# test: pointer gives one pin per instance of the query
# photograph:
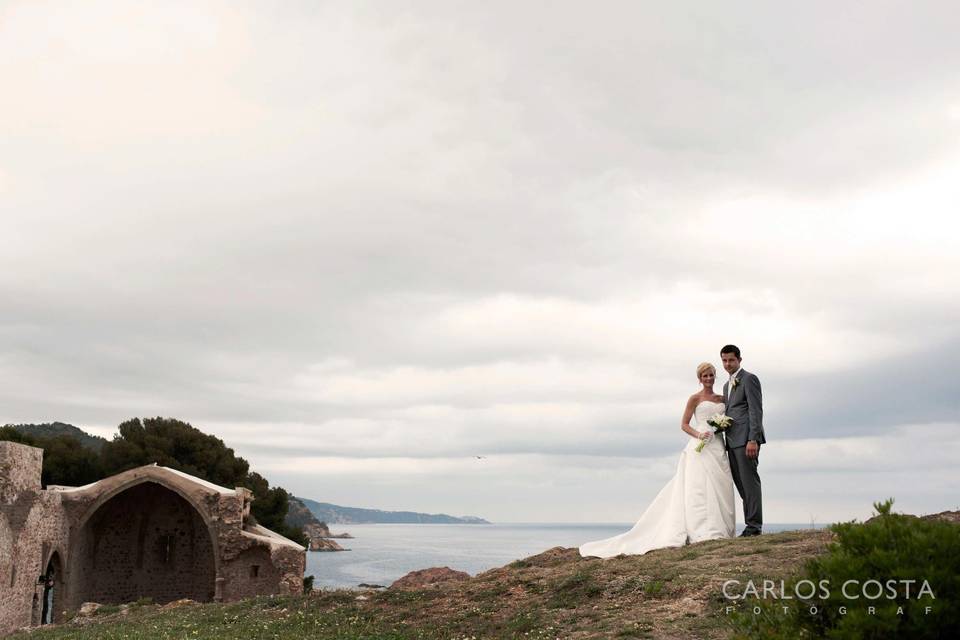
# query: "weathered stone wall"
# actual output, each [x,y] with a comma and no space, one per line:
[280,567]
[10,610]
[290,564]
[262,570]
[148,532]
[43,536]
[250,574]
[32,530]
[145,542]
[20,468]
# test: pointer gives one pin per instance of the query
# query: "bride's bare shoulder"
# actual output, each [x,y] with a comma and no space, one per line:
[694,400]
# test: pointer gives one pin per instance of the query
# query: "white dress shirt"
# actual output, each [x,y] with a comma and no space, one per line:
[730,382]
[730,386]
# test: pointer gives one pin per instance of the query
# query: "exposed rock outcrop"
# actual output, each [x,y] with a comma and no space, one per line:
[946,516]
[316,531]
[324,544]
[429,578]
[319,538]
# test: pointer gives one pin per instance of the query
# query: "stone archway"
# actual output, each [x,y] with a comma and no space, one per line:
[145,541]
[51,594]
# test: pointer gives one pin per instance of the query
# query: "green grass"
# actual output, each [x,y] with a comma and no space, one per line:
[634,632]
[261,618]
[556,594]
[571,591]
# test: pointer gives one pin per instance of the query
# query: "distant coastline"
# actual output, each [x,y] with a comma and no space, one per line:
[339,514]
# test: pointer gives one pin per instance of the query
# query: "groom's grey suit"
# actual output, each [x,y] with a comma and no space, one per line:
[744,405]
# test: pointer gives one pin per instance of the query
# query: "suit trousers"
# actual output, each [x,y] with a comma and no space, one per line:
[747,481]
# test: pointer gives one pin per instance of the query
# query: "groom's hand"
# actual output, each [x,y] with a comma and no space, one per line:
[753,449]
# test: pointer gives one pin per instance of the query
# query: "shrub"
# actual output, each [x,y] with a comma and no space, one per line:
[888,547]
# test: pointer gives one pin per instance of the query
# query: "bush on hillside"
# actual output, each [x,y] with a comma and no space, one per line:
[65,462]
[888,547]
[168,442]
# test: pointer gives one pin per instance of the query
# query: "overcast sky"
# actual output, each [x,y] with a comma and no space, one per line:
[364,243]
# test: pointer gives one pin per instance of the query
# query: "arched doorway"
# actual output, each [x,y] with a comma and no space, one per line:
[51,581]
[146,541]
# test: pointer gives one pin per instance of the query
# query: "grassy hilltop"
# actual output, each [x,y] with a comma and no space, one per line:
[668,593]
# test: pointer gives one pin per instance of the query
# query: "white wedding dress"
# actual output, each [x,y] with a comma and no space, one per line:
[696,504]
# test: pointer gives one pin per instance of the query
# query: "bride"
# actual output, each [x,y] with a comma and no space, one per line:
[697,503]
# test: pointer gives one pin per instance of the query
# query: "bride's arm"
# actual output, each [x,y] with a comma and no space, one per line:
[685,421]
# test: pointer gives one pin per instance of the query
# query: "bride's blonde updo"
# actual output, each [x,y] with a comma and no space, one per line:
[703,368]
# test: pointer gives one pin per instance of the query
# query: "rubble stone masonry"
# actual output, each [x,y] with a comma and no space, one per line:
[150,532]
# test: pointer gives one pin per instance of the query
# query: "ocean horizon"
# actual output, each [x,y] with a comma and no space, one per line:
[380,553]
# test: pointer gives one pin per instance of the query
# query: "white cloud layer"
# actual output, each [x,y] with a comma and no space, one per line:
[363,244]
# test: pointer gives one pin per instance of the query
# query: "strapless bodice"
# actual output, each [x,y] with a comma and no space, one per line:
[707,408]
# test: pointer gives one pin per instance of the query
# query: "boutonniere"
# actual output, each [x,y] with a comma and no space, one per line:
[736,382]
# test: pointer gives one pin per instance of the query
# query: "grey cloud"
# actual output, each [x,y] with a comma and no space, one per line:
[329,178]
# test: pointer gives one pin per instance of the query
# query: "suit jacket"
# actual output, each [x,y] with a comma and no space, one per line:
[745,408]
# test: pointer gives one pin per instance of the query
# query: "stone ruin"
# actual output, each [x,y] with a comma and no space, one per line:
[150,532]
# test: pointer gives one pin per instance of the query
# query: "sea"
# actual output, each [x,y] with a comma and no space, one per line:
[381,553]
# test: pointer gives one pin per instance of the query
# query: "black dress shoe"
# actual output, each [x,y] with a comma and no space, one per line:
[750,532]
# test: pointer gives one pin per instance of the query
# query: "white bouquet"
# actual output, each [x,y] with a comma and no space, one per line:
[719,422]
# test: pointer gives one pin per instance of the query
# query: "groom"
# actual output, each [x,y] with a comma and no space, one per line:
[741,394]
